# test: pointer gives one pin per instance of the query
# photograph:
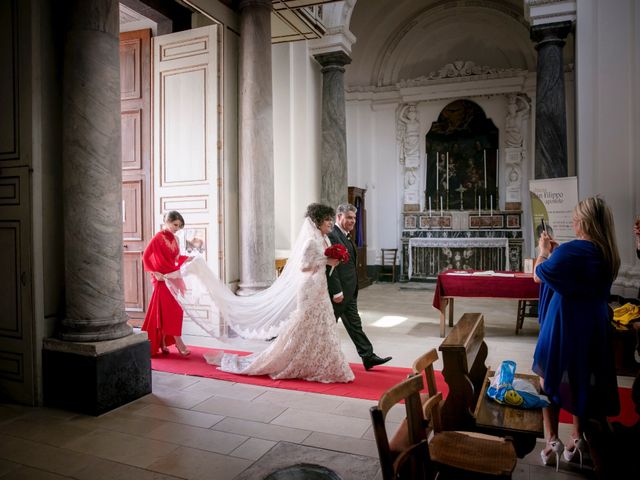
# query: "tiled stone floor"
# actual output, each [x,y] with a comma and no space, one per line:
[198,428]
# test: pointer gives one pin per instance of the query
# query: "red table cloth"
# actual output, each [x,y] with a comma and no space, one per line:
[520,286]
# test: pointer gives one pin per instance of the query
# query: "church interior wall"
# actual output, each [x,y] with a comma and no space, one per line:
[297,136]
[608,119]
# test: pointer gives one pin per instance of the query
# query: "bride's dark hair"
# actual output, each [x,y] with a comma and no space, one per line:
[318,213]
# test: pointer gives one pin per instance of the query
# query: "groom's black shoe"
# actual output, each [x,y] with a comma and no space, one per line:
[373,360]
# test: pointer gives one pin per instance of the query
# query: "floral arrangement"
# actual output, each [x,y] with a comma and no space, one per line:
[337,251]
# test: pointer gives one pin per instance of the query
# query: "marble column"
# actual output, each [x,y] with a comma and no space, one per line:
[92,174]
[333,161]
[256,196]
[551,119]
[96,363]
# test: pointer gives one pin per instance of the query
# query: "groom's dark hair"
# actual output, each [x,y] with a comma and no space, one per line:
[318,213]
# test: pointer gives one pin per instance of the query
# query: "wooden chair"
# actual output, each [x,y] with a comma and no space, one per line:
[454,451]
[388,268]
[412,462]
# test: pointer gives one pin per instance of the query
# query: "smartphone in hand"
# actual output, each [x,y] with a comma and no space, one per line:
[544,227]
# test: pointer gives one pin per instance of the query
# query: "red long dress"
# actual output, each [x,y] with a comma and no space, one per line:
[164,315]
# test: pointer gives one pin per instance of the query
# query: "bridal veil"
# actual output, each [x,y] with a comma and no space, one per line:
[204,297]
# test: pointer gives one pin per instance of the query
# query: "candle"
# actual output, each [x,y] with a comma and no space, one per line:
[484,153]
[447,171]
[440,205]
[437,173]
[429,205]
[497,156]
[479,206]
[491,199]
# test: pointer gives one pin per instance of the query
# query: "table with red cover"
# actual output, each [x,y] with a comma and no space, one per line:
[519,287]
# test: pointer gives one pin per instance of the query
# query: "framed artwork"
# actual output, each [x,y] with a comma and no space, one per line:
[433,221]
[485,221]
[410,221]
[513,221]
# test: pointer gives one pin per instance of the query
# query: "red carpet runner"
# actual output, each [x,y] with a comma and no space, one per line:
[367,385]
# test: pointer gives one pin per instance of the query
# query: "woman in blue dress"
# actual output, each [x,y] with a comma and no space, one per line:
[573,356]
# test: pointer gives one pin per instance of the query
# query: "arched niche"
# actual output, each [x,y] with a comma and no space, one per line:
[462,153]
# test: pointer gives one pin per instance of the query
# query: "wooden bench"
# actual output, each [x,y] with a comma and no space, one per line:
[467,406]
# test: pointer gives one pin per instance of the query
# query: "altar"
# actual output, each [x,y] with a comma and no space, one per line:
[461,241]
[462,202]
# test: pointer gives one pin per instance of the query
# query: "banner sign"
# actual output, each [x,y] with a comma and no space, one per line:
[553,199]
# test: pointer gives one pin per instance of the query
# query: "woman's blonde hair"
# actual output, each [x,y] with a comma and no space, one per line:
[596,221]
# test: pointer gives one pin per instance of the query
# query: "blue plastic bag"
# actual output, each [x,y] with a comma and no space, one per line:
[506,389]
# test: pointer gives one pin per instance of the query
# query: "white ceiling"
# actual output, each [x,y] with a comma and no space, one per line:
[404,39]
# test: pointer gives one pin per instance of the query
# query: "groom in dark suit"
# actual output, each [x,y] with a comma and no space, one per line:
[343,287]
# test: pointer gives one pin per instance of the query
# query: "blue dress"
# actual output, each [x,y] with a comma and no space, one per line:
[574,355]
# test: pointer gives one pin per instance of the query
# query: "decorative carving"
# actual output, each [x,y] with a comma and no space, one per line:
[517,110]
[408,136]
[461,69]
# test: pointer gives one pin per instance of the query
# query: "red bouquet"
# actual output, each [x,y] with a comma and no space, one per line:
[337,251]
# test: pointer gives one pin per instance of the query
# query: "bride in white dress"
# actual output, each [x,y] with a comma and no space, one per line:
[307,345]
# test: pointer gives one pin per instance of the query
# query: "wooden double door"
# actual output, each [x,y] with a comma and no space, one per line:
[169,99]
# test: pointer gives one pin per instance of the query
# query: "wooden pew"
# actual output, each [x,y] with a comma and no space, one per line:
[467,406]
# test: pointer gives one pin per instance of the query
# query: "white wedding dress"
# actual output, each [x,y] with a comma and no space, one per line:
[308,345]
[296,309]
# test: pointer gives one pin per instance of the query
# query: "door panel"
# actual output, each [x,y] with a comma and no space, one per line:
[135,90]
[186,145]
[16,322]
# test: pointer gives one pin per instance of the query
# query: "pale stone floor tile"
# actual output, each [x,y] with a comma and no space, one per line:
[40,456]
[391,427]
[196,437]
[340,443]
[176,398]
[266,431]
[260,412]
[176,381]
[351,408]
[9,413]
[120,447]
[237,391]
[52,432]
[121,422]
[301,400]
[7,466]
[322,422]
[194,464]
[253,448]
[28,473]
[179,415]
[101,469]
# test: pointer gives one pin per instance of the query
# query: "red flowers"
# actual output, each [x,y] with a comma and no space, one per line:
[337,251]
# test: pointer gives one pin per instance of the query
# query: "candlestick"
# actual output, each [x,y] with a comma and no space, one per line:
[437,172]
[497,156]
[479,206]
[441,206]
[491,205]
[447,174]
[429,205]
[484,161]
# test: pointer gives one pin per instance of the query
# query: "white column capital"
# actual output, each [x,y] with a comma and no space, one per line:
[541,12]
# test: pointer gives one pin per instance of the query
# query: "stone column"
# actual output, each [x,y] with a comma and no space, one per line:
[96,364]
[257,235]
[551,120]
[333,162]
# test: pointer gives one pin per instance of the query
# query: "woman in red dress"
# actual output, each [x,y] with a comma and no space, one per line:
[163,321]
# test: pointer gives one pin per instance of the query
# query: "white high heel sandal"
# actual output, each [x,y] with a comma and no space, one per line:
[556,448]
[579,445]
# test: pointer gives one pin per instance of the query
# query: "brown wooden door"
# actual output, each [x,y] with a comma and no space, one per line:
[135,89]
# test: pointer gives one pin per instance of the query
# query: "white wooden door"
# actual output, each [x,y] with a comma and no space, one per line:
[186,161]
